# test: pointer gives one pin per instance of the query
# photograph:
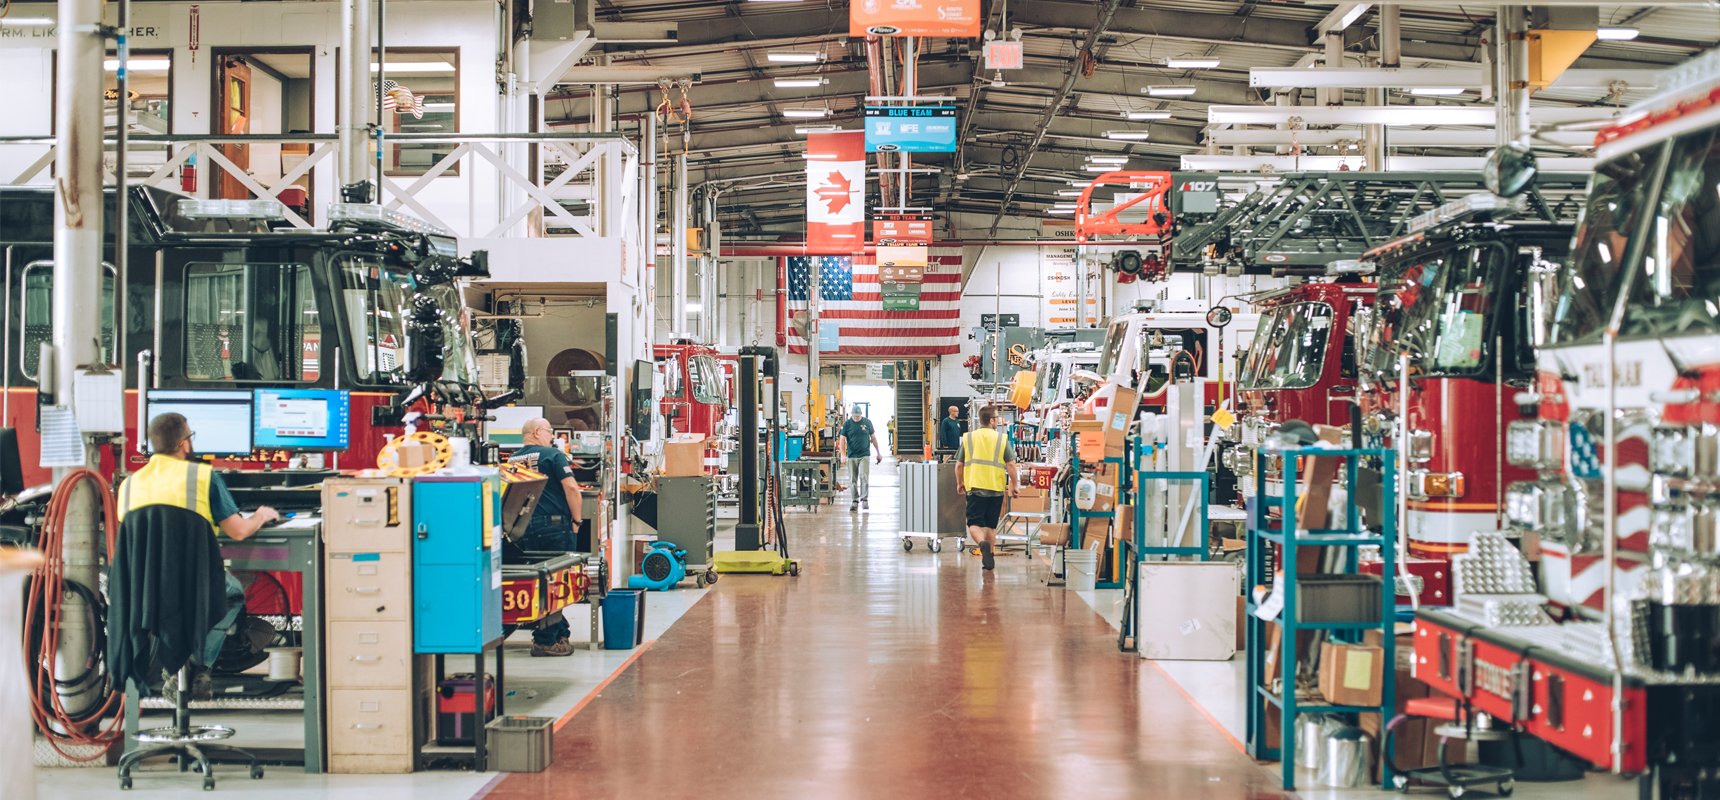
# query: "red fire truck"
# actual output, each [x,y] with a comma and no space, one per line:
[695,389]
[1301,364]
[1627,454]
[1458,308]
[220,298]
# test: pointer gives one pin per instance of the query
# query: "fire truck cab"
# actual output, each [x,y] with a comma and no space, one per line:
[1458,309]
[218,297]
[695,389]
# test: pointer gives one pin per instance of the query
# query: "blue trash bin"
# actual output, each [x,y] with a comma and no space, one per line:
[623,619]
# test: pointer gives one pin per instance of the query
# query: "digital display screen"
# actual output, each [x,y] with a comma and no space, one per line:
[302,419]
[911,129]
[220,419]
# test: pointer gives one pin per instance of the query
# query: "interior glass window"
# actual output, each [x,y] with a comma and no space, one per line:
[251,322]
[420,94]
[36,318]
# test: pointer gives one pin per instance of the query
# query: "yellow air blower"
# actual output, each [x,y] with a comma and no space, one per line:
[1021,389]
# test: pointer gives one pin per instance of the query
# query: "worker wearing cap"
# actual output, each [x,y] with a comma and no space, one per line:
[174,478]
[985,475]
[862,441]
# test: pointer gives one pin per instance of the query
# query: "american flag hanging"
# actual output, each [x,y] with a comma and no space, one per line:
[400,99]
[853,301]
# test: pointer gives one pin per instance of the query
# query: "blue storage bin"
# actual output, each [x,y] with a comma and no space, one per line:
[623,619]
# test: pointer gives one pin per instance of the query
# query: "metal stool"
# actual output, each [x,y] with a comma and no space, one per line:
[1458,723]
[191,745]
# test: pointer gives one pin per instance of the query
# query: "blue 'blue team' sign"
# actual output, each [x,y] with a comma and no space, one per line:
[911,129]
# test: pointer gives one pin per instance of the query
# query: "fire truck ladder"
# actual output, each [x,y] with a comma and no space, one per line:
[1312,219]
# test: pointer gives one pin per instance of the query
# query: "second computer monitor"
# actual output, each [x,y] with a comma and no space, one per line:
[302,419]
[220,419]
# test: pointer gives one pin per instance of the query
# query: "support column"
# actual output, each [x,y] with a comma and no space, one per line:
[77,278]
[1512,82]
[354,93]
[1391,57]
[747,532]
[678,235]
[1334,58]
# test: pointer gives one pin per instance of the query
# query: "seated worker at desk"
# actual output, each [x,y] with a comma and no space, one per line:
[172,478]
[554,523]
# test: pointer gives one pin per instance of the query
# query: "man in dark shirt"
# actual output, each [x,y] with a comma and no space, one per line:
[555,522]
[862,440]
[950,431]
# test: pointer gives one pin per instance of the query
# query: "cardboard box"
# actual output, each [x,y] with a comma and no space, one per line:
[1054,533]
[684,455]
[1351,674]
[1086,423]
[1096,533]
[1090,445]
[1118,419]
[1241,624]
[1105,486]
[1125,526]
[1030,504]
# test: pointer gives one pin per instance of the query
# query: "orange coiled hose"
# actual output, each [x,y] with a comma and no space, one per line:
[42,638]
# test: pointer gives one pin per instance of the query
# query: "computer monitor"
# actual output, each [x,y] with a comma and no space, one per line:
[220,418]
[303,419]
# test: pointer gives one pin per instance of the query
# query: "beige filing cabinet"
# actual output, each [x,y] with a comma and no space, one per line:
[374,680]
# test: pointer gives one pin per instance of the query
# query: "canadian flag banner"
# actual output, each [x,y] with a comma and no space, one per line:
[835,192]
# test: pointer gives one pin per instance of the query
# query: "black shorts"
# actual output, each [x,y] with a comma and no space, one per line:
[984,511]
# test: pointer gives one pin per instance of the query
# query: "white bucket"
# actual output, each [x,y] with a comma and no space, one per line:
[1081,569]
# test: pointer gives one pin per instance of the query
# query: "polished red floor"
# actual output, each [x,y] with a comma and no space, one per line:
[884,674]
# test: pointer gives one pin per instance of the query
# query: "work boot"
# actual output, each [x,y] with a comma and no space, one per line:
[560,649]
[853,506]
[985,556]
[864,504]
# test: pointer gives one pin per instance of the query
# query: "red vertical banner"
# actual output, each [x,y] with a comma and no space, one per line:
[835,192]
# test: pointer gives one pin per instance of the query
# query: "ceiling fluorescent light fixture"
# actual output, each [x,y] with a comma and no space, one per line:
[794,58]
[1103,167]
[1128,136]
[806,129]
[26,22]
[1070,193]
[1137,116]
[1617,34]
[798,83]
[1107,159]
[806,113]
[1191,63]
[139,64]
[1437,91]
[1170,91]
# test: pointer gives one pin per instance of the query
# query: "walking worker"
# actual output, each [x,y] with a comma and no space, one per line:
[862,440]
[950,431]
[985,474]
[555,522]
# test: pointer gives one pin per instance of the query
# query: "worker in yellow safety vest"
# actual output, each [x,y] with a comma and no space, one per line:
[172,478]
[985,474]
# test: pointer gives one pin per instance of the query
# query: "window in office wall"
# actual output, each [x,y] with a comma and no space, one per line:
[420,95]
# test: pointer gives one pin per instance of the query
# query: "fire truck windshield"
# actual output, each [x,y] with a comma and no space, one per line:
[707,381]
[377,302]
[1289,349]
[1440,309]
[1676,289]
[1589,288]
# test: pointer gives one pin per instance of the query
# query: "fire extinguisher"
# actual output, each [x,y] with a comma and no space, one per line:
[188,175]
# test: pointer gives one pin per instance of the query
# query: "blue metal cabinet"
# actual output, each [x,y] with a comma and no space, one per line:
[456,563]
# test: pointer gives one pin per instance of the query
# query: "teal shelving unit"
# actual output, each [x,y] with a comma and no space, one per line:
[1078,518]
[1286,533]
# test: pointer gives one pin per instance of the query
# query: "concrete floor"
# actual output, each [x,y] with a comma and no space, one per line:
[876,673]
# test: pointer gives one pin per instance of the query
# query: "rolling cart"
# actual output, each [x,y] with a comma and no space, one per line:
[931,510]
